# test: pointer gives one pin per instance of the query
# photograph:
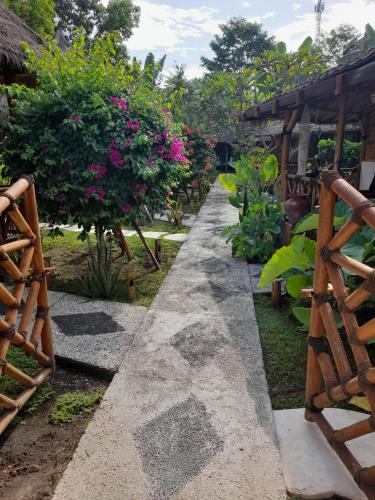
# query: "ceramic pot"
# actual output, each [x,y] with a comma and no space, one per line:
[296,207]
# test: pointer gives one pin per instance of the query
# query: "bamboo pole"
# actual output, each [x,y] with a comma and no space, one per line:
[13,246]
[320,286]
[22,399]
[13,192]
[335,343]
[21,224]
[158,250]
[19,375]
[285,143]
[355,430]
[32,219]
[349,229]
[145,244]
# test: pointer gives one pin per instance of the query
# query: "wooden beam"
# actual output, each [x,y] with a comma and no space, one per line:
[340,132]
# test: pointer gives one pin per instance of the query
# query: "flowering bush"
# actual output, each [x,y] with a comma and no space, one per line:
[202,157]
[97,154]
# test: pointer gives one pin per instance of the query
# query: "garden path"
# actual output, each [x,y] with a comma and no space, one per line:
[188,414]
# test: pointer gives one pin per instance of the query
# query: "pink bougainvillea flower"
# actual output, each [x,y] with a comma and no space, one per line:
[194,184]
[165,135]
[101,193]
[165,110]
[114,155]
[168,206]
[119,103]
[134,125]
[90,191]
[98,170]
[75,118]
[126,208]
[150,161]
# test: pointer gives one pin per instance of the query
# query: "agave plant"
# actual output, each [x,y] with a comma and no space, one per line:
[103,274]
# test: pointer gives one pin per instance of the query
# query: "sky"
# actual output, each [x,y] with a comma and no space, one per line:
[183,29]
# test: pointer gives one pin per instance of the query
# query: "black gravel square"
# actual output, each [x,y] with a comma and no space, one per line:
[95,323]
[176,445]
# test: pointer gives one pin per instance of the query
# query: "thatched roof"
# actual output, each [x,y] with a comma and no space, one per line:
[13,32]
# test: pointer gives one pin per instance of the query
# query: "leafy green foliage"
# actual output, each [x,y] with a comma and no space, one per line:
[202,157]
[336,42]
[240,42]
[68,405]
[300,254]
[278,70]
[103,274]
[92,15]
[254,174]
[350,156]
[38,14]
[258,234]
[97,154]
[43,393]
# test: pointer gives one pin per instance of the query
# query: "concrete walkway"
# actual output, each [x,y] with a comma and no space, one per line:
[188,415]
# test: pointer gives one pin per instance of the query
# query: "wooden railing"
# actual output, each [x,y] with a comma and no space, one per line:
[29,270]
[330,376]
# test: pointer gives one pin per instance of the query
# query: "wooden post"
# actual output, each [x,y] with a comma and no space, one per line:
[285,142]
[276,293]
[320,287]
[158,250]
[130,279]
[340,132]
[145,244]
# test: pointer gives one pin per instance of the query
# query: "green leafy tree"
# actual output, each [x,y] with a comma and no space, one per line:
[239,44]
[78,14]
[336,42]
[279,70]
[120,15]
[95,18]
[38,14]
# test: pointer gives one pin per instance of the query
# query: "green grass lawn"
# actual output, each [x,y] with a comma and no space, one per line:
[285,354]
[69,255]
[284,351]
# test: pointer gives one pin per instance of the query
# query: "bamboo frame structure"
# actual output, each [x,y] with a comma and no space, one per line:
[25,237]
[330,379]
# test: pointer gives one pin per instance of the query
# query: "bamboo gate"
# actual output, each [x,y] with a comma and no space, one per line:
[20,233]
[330,378]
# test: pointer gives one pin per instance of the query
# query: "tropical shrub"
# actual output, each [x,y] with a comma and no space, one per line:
[350,156]
[95,137]
[258,234]
[295,262]
[202,158]
[254,174]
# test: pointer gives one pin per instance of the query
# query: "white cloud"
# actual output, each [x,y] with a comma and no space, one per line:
[194,72]
[296,6]
[162,25]
[356,12]
[269,15]
[246,4]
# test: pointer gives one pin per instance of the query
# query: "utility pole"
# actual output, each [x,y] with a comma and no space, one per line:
[319,9]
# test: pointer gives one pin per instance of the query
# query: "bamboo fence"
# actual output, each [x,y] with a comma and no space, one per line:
[20,232]
[331,377]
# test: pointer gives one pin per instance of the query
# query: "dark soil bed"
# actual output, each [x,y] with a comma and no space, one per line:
[34,452]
